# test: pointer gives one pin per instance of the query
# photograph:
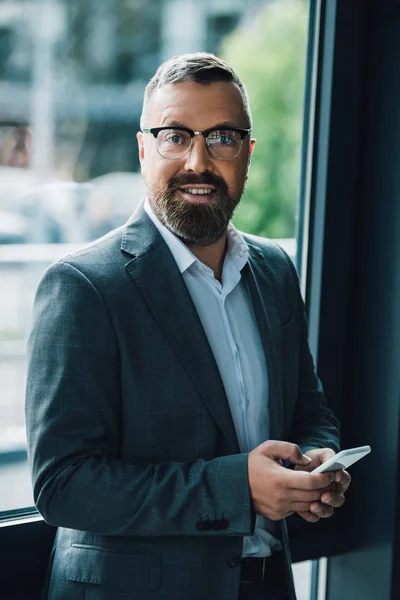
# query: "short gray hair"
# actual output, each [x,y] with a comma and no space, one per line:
[201,67]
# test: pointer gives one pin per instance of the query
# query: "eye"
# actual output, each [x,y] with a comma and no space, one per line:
[176,138]
[225,138]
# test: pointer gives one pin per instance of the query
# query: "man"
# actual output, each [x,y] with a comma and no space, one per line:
[168,365]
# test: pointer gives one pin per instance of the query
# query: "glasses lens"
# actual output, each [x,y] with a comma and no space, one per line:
[173,143]
[224,144]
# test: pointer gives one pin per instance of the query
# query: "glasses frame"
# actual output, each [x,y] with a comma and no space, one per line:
[156,130]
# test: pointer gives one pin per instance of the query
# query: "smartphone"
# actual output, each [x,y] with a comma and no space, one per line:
[343,459]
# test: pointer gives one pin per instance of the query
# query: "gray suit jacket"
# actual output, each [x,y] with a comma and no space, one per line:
[131,442]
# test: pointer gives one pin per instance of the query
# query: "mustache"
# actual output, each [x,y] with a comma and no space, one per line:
[205,178]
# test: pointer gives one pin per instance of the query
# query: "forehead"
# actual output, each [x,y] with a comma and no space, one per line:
[197,106]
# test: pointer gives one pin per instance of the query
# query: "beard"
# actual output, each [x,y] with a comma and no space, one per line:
[200,224]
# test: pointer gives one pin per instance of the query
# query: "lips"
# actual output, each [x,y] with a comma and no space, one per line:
[186,183]
[198,190]
[197,194]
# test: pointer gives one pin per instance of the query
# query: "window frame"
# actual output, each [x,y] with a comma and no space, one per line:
[23,531]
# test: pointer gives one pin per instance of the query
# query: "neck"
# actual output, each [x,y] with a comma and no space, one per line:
[212,256]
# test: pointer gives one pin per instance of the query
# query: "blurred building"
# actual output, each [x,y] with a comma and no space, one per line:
[72,74]
[88,63]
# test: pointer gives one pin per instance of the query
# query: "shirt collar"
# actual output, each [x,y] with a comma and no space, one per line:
[237,250]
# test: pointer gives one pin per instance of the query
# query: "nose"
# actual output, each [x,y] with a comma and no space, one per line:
[198,158]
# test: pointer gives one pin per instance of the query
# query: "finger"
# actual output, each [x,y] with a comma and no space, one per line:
[335,500]
[342,480]
[337,488]
[305,506]
[325,455]
[304,495]
[285,451]
[307,468]
[338,476]
[321,510]
[308,516]
[302,480]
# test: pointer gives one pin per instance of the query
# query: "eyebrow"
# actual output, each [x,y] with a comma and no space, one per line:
[222,125]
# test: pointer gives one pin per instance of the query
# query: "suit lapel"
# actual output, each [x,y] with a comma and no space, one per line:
[260,284]
[157,277]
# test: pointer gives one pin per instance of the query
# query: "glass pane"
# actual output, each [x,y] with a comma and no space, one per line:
[71,90]
[302,579]
[269,55]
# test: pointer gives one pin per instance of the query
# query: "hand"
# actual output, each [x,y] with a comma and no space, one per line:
[278,492]
[331,498]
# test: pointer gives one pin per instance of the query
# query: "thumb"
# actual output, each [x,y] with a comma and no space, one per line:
[285,451]
[326,454]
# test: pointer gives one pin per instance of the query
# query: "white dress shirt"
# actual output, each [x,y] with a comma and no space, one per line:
[226,313]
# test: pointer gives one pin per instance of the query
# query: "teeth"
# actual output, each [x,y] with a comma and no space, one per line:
[200,191]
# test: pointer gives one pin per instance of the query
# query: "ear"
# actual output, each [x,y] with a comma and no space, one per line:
[139,137]
[251,149]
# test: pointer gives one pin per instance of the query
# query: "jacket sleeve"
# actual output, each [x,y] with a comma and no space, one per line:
[74,429]
[314,424]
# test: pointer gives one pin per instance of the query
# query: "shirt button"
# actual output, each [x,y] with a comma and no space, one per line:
[233,560]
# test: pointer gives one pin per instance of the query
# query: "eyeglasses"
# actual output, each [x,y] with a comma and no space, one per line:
[176,142]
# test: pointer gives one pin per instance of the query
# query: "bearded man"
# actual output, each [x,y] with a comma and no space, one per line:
[170,380]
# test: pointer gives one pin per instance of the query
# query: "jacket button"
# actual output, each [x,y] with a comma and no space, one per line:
[224,524]
[233,560]
[200,526]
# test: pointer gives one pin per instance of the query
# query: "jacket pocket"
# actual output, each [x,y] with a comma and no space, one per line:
[128,571]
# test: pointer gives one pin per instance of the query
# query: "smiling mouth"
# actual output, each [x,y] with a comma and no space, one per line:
[198,191]
[198,195]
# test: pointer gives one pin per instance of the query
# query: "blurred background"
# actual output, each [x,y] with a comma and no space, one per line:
[72,77]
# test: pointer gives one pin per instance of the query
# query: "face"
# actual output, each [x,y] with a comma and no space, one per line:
[195,218]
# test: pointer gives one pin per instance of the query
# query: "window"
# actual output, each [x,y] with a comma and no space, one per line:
[71,92]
